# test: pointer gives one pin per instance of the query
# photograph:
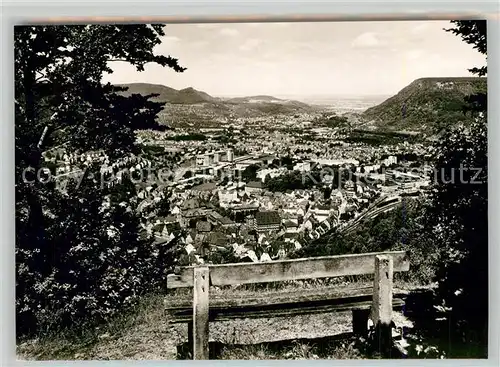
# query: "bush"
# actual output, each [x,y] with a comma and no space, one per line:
[86,267]
[458,220]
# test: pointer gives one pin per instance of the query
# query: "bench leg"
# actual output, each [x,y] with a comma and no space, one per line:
[360,322]
[190,338]
[200,313]
[382,304]
[383,340]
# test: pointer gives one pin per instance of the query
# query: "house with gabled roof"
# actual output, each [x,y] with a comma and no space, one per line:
[267,221]
[321,212]
[310,223]
[291,226]
[200,238]
[190,237]
[217,239]
[190,204]
[157,228]
[203,226]
[165,233]
[170,219]
[218,220]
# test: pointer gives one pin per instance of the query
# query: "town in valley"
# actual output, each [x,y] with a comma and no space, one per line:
[257,189]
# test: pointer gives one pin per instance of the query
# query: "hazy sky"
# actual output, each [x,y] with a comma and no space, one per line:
[306,59]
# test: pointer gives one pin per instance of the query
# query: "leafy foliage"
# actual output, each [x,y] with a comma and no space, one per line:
[379,137]
[457,216]
[79,253]
[458,219]
[196,137]
[473,32]
[250,173]
[334,121]
[292,181]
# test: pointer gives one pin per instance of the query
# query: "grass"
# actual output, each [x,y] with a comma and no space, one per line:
[141,333]
[327,348]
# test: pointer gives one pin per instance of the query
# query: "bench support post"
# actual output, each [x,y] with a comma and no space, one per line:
[200,313]
[381,312]
[360,321]
[190,343]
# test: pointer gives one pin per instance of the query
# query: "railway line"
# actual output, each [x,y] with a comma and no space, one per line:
[382,205]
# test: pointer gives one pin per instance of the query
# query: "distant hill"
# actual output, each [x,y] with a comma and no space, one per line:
[426,105]
[169,95]
[193,107]
[191,95]
[255,99]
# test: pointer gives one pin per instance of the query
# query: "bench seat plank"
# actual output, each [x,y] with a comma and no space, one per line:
[219,314]
[243,297]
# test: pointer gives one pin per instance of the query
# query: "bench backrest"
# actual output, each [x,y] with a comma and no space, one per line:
[282,270]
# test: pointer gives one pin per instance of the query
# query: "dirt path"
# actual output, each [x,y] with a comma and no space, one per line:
[252,331]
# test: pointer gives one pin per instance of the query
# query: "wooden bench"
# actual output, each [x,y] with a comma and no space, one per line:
[374,301]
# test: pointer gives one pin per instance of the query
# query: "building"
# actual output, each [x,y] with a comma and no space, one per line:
[321,212]
[214,158]
[218,220]
[268,159]
[203,226]
[203,160]
[389,188]
[254,187]
[291,226]
[267,221]
[206,188]
[302,167]
[349,185]
[336,162]
[408,185]
[227,196]
[350,194]
[262,173]
[389,161]
[389,175]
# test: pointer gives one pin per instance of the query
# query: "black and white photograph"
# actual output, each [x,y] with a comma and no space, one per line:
[265,190]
